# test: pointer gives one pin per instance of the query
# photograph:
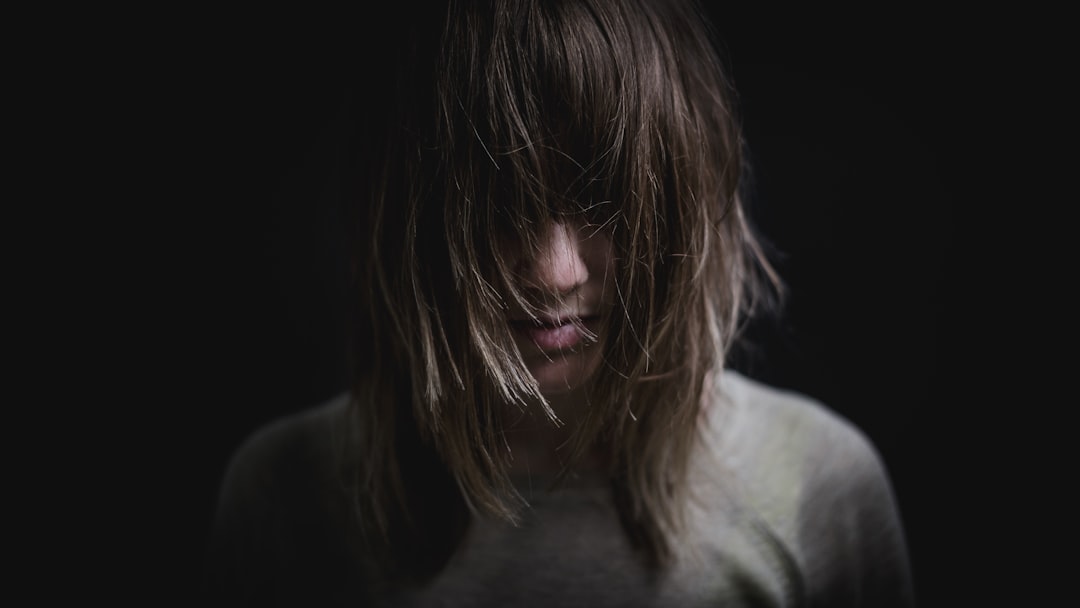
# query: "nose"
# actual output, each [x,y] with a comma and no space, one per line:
[558,266]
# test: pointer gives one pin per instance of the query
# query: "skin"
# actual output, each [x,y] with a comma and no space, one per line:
[575,263]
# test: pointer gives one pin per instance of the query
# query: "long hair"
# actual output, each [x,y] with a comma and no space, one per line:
[499,117]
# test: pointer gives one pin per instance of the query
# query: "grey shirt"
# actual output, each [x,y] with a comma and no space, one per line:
[790,506]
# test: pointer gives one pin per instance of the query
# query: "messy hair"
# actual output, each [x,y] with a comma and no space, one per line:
[505,116]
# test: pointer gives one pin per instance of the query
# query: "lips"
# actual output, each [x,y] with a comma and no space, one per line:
[551,334]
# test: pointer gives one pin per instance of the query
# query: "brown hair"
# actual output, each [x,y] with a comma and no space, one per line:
[506,114]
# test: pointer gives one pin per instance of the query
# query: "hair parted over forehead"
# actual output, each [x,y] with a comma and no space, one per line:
[504,116]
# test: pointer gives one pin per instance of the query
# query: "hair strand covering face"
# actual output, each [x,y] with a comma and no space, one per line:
[506,116]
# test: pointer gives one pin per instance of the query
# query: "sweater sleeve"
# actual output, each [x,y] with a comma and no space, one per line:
[246,544]
[820,485]
[279,534]
[850,535]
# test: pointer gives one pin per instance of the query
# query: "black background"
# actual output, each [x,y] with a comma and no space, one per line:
[876,141]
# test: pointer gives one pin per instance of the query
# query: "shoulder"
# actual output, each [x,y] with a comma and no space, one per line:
[276,516]
[791,452]
[272,453]
[815,480]
[759,425]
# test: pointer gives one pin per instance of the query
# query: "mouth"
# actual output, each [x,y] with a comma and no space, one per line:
[555,334]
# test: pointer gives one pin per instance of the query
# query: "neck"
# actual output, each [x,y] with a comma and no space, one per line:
[541,447]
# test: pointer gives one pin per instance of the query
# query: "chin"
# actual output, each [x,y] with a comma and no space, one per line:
[564,372]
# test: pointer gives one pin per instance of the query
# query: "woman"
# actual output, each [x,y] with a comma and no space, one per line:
[552,263]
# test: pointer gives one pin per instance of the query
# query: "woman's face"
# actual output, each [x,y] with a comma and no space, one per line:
[571,280]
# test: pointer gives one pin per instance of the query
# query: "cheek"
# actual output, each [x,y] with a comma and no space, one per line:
[598,252]
[600,260]
[505,261]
